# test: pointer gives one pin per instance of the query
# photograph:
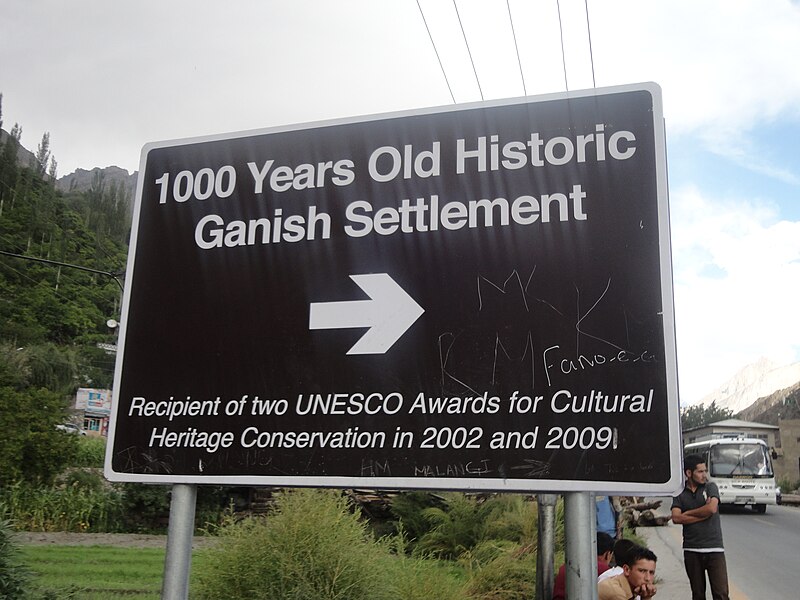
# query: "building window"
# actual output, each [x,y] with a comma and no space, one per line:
[92,424]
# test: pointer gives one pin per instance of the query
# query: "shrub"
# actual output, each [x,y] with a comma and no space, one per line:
[455,528]
[421,579]
[510,517]
[84,479]
[61,508]
[465,522]
[407,508]
[31,448]
[145,507]
[787,485]
[91,452]
[313,546]
[13,575]
[213,504]
[485,552]
[510,576]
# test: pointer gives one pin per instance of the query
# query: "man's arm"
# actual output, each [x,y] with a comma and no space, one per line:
[709,508]
[695,515]
[684,518]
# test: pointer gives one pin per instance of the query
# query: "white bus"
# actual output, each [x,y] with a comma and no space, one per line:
[741,468]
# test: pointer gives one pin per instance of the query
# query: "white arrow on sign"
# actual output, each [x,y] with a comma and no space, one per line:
[389,313]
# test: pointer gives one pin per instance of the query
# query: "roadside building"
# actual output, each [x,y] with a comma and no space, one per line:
[787,464]
[783,440]
[732,428]
[94,406]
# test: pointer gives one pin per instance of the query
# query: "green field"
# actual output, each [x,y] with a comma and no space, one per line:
[95,572]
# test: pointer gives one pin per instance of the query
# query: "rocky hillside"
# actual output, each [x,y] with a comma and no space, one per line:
[25,158]
[758,380]
[783,404]
[81,180]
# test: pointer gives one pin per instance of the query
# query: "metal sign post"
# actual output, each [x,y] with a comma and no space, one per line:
[581,546]
[546,538]
[178,560]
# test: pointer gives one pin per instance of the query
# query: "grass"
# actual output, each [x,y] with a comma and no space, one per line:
[95,572]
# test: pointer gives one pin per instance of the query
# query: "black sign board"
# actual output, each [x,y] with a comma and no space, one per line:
[470,297]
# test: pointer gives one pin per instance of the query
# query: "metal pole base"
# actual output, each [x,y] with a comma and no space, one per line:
[581,554]
[178,561]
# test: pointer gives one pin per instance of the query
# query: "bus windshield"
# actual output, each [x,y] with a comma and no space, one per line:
[740,460]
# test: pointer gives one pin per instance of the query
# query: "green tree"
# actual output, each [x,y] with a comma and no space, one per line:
[42,154]
[31,448]
[8,165]
[698,415]
[51,317]
[52,171]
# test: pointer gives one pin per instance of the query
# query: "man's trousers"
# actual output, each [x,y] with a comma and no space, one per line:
[698,564]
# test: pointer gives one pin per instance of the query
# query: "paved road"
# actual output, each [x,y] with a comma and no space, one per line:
[761,550]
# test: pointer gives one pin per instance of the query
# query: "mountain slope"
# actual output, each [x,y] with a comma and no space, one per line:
[783,404]
[757,380]
[82,180]
[25,158]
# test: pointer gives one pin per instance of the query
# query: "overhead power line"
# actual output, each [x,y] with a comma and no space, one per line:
[63,264]
[514,34]
[589,31]
[563,56]
[441,66]
[516,47]
[464,35]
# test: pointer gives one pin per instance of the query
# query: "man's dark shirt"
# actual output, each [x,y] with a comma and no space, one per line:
[705,536]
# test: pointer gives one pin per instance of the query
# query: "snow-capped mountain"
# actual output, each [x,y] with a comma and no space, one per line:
[752,382]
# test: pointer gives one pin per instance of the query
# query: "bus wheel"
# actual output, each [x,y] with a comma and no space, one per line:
[760,508]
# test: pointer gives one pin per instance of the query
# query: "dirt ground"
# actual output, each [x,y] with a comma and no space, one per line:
[125,540]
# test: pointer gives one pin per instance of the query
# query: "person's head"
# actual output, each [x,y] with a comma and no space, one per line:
[640,567]
[605,546]
[694,467]
[621,549]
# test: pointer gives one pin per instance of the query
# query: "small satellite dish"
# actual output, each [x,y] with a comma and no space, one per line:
[112,324]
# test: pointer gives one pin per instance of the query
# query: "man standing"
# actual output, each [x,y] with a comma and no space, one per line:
[697,509]
[638,574]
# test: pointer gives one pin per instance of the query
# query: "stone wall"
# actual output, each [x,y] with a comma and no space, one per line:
[788,463]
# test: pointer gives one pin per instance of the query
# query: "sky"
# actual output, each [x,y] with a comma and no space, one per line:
[105,78]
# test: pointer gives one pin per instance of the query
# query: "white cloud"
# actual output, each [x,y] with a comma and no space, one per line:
[727,321]
[724,66]
[105,78]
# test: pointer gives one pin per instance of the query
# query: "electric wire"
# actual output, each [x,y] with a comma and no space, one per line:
[63,276]
[28,277]
[516,47]
[464,35]
[113,275]
[589,31]
[67,300]
[563,56]
[63,264]
[441,66]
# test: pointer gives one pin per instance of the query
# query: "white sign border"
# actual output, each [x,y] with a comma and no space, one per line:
[669,487]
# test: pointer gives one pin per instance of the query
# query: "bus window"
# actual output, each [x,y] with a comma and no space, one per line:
[730,460]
